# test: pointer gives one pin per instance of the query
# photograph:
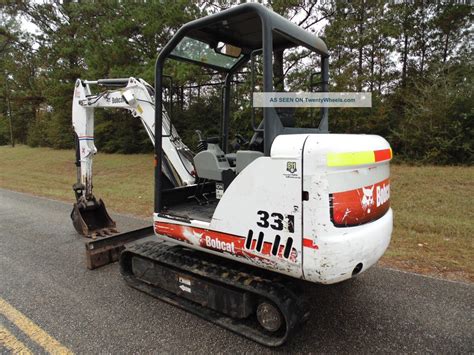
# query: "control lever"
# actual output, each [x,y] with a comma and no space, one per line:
[202,144]
[241,140]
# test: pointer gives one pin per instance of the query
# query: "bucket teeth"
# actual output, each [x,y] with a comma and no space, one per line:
[105,232]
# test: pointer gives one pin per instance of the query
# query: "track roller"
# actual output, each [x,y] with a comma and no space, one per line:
[269,317]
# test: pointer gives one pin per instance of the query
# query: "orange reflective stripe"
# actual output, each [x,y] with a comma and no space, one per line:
[384,154]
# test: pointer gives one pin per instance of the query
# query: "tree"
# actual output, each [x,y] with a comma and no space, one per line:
[439,123]
[20,97]
[97,40]
[411,55]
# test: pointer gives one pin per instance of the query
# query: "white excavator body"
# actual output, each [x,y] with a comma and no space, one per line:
[318,209]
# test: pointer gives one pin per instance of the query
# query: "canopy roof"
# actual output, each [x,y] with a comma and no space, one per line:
[244,26]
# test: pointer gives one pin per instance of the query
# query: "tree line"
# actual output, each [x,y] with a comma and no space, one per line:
[414,56]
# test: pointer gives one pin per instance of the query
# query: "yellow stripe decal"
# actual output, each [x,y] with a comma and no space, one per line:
[33,331]
[352,158]
[11,343]
[359,158]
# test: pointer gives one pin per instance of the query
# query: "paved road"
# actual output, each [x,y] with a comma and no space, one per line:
[42,275]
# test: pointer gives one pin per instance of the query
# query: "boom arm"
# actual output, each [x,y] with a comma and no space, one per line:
[136,96]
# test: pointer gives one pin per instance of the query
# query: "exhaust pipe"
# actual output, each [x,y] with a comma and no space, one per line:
[91,219]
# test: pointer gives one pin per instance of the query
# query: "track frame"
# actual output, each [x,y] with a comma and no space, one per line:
[285,295]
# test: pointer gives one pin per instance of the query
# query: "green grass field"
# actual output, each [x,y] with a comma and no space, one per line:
[434,213]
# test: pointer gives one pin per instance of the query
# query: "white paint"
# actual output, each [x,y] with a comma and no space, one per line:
[185,288]
[341,249]
[217,244]
[383,194]
[368,198]
[184,281]
[267,185]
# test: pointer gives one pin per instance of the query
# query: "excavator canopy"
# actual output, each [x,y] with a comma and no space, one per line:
[225,42]
[243,28]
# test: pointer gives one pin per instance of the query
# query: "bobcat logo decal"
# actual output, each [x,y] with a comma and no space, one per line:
[368,199]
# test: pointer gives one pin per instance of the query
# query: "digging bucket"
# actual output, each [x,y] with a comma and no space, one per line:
[92,220]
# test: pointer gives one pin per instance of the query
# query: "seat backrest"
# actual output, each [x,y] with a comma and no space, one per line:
[211,163]
[244,158]
[287,118]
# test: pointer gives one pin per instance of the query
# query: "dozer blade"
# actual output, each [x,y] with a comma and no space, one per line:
[92,221]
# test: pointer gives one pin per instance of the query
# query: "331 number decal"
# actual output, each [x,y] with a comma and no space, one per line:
[275,221]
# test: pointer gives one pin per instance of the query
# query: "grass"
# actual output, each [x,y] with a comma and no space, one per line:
[434,220]
[434,213]
[124,182]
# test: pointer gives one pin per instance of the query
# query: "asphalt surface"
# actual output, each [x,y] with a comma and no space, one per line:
[43,275]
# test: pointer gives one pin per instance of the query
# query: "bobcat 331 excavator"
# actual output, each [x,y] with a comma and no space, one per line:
[238,236]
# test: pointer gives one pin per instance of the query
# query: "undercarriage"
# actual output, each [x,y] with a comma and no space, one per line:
[260,305]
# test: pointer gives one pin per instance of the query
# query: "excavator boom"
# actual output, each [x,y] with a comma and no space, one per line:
[89,215]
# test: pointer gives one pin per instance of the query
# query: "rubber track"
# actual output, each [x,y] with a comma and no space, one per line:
[237,275]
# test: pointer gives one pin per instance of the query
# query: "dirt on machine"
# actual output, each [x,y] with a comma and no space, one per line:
[239,231]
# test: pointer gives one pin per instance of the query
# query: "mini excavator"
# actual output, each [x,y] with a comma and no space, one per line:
[239,235]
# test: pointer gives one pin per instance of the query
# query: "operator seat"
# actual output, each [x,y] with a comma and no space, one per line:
[211,163]
[245,157]
[287,118]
